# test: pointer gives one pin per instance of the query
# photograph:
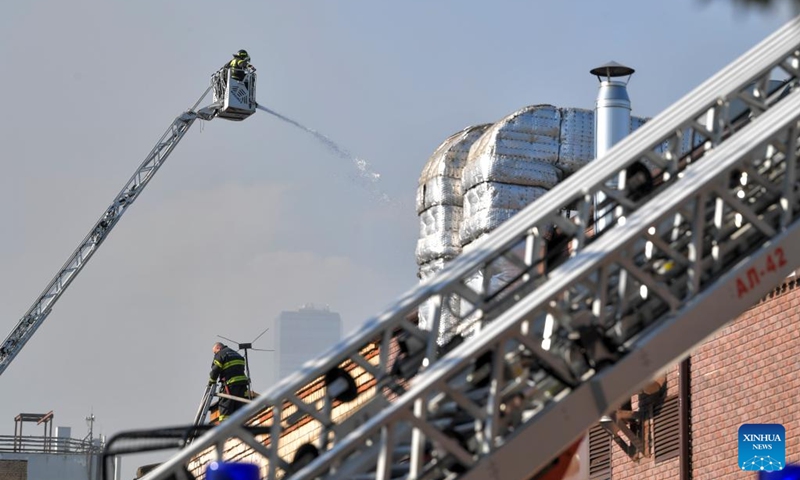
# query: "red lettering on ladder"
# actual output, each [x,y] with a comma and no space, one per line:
[781,259]
[740,288]
[752,277]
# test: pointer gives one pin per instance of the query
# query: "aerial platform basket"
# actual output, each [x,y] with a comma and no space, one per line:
[236,99]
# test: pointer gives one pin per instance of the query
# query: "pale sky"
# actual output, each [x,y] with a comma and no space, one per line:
[248,219]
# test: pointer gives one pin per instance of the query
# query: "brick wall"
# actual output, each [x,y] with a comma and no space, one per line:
[624,468]
[14,469]
[749,372]
[306,430]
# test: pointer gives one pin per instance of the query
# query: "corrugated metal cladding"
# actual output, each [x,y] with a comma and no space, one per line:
[483,175]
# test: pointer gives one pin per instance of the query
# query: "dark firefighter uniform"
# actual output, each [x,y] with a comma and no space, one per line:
[229,368]
[240,62]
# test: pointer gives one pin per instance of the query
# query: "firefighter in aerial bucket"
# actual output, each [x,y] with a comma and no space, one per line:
[240,65]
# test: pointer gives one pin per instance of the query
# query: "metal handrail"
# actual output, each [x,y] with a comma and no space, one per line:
[42,444]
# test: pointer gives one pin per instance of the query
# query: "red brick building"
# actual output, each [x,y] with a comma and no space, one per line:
[747,373]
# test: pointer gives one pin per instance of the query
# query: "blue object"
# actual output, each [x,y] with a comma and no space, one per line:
[232,471]
[762,447]
[790,472]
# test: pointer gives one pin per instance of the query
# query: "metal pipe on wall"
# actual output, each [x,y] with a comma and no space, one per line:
[684,428]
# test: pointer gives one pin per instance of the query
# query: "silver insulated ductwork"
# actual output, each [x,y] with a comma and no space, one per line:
[482,176]
[440,200]
[513,163]
[510,166]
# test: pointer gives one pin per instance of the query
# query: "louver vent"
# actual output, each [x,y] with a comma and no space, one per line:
[666,438]
[599,454]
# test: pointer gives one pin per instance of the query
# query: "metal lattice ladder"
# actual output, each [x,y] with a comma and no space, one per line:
[43,305]
[621,311]
[205,405]
[705,119]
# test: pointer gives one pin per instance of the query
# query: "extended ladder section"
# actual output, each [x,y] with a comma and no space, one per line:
[37,314]
[41,308]
[205,405]
[504,404]
[584,331]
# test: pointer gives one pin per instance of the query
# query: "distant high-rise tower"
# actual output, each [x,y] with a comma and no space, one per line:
[303,335]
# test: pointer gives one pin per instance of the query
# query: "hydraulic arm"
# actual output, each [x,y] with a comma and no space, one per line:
[43,305]
[241,106]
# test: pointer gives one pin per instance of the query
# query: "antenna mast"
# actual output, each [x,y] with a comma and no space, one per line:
[246,347]
[90,421]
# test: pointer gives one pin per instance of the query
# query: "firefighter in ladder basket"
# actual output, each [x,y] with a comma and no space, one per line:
[239,65]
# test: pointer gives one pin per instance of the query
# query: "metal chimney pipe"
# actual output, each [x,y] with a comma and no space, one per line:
[612,123]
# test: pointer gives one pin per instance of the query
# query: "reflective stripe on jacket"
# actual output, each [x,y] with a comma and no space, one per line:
[228,366]
[238,63]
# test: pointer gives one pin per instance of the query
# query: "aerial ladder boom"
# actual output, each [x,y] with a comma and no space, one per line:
[703,120]
[620,312]
[233,109]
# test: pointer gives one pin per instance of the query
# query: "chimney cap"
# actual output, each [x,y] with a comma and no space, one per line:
[612,69]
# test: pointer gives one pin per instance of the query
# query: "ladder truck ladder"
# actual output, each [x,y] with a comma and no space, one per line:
[41,308]
[205,405]
[620,312]
[702,117]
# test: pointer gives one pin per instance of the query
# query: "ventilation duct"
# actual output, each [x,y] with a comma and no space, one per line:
[440,208]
